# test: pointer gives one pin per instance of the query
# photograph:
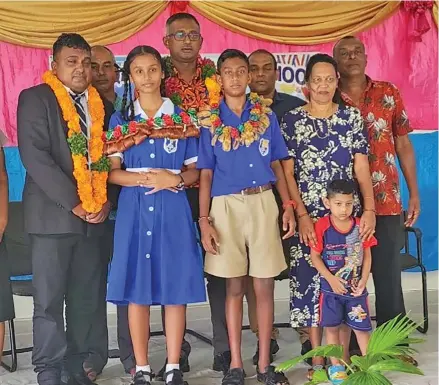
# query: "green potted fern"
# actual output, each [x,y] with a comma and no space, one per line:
[384,353]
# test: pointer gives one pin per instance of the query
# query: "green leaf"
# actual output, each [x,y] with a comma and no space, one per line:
[78,144]
[395,365]
[101,165]
[208,71]
[366,378]
[387,338]
[335,351]
[363,362]
[176,99]
[319,377]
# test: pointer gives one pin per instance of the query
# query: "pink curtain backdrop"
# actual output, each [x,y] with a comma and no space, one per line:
[392,56]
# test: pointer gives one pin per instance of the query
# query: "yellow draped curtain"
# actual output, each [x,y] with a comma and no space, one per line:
[435,11]
[39,23]
[296,22]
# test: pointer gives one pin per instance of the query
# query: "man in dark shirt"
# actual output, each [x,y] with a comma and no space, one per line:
[264,73]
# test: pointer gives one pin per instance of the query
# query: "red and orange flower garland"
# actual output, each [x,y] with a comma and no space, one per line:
[91,180]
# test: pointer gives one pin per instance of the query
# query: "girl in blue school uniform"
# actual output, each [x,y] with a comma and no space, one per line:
[156,259]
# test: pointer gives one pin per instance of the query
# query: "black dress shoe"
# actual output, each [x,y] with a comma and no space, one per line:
[184,361]
[274,348]
[81,379]
[221,362]
[234,377]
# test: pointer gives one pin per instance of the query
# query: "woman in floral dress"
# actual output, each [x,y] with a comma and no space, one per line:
[326,142]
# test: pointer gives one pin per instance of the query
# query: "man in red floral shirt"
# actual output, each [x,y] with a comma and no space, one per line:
[185,84]
[388,127]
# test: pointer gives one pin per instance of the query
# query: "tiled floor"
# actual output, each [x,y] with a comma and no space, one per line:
[201,357]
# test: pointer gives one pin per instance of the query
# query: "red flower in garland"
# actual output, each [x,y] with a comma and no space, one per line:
[216,123]
[185,118]
[254,123]
[171,85]
[117,133]
[150,122]
[132,127]
[234,133]
[167,119]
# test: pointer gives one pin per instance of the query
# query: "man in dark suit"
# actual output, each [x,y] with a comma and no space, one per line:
[65,239]
[264,73]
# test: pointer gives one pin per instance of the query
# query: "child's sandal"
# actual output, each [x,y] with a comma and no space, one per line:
[270,377]
[337,374]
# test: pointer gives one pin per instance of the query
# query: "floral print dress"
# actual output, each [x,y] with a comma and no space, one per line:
[323,150]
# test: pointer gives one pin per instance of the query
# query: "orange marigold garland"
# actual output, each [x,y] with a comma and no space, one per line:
[90,166]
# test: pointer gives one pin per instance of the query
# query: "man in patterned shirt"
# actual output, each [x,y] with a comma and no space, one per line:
[185,73]
[388,127]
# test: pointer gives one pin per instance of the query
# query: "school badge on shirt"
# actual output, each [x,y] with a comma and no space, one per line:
[264,146]
[170,145]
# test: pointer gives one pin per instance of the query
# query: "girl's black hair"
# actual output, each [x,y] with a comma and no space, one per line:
[127,99]
[323,58]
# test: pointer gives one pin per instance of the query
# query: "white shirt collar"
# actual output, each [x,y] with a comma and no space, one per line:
[166,108]
[71,92]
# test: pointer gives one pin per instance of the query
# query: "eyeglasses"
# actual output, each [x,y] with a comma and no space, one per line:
[181,36]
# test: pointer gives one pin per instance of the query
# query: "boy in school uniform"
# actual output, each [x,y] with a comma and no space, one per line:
[239,160]
[6,301]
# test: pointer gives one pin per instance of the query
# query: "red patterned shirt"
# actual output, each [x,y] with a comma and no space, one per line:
[385,118]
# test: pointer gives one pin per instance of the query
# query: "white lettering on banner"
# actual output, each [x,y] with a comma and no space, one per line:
[291,67]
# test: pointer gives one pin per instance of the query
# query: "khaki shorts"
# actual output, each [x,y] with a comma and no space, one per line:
[246,222]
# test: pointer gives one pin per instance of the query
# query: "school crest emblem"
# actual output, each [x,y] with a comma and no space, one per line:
[170,145]
[264,146]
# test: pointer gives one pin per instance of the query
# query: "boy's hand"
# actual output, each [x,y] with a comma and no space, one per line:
[209,238]
[358,289]
[338,285]
[289,222]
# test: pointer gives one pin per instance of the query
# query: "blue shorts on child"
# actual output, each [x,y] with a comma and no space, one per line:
[337,309]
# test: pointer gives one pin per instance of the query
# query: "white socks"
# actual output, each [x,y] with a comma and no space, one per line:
[146,368]
[170,367]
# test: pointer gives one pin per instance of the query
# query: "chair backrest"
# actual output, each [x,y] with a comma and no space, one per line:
[17,242]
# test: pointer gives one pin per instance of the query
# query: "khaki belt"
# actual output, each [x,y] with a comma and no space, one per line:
[256,190]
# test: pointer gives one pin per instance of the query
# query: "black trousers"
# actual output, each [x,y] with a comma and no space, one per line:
[7,312]
[386,270]
[65,269]
[124,339]
[216,290]
[98,339]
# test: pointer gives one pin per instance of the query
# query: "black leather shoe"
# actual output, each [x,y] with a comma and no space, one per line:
[184,361]
[234,376]
[81,379]
[221,362]
[274,348]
